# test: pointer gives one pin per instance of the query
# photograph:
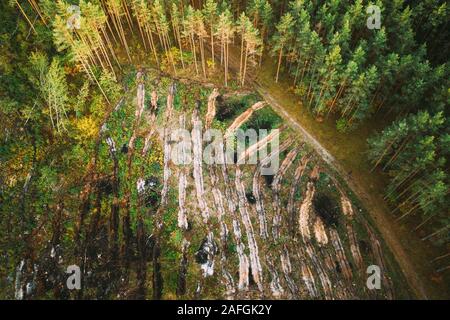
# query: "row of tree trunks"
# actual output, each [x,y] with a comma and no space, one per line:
[220,209]
[182,184]
[276,188]
[347,209]
[261,212]
[318,267]
[291,207]
[183,224]
[331,266]
[231,200]
[275,283]
[354,248]
[340,254]
[252,244]
[256,182]
[308,279]
[182,273]
[157,278]
[198,168]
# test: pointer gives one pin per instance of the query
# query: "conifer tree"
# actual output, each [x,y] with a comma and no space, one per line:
[176,26]
[226,30]
[201,33]
[210,13]
[282,38]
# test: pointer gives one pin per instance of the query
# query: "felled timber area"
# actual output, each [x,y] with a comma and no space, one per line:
[151,227]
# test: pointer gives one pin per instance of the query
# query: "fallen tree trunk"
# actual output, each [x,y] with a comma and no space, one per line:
[287,271]
[211,108]
[198,159]
[260,210]
[182,182]
[219,203]
[354,248]
[294,187]
[260,204]
[305,208]
[240,120]
[253,246]
[324,279]
[231,202]
[158,221]
[276,187]
[275,285]
[319,231]
[340,253]
[260,144]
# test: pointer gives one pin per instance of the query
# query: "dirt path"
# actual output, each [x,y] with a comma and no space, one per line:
[346,153]
[328,158]
[409,251]
[343,153]
[384,225]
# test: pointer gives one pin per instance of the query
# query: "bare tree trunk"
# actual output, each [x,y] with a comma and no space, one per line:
[279,64]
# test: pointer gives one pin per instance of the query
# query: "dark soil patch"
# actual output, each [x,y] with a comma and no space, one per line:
[250,197]
[327,209]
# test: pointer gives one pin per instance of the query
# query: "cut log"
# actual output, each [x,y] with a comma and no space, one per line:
[276,187]
[354,248]
[275,285]
[347,207]
[324,279]
[260,144]
[319,232]
[140,101]
[211,108]
[198,160]
[219,204]
[287,271]
[260,204]
[252,245]
[305,208]
[182,183]
[308,279]
[205,255]
[340,254]
[294,187]
[151,120]
[154,101]
[231,201]
[240,120]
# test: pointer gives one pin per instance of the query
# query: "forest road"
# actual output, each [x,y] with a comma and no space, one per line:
[375,206]
[415,274]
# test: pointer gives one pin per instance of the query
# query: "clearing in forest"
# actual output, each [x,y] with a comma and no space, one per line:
[150,228]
